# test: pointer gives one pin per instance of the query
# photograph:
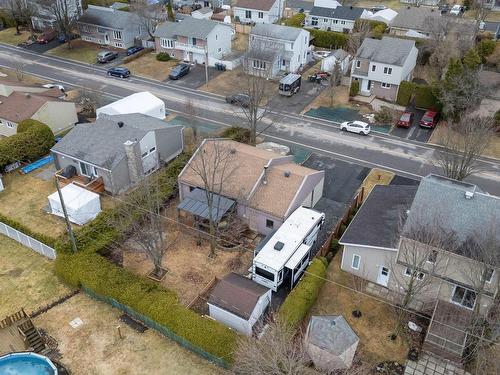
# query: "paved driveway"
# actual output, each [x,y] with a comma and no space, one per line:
[42,48]
[196,77]
[415,132]
[298,102]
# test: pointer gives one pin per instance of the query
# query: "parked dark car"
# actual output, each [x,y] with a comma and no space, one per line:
[47,36]
[429,119]
[119,71]
[405,120]
[179,71]
[63,38]
[241,100]
[106,56]
[134,49]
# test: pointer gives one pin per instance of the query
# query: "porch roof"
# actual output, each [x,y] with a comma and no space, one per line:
[196,203]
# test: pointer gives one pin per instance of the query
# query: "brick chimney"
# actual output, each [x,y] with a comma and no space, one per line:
[134,161]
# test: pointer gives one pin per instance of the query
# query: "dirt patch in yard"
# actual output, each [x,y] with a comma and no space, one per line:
[27,279]
[376,323]
[95,347]
[81,50]
[324,99]
[147,66]
[240,42]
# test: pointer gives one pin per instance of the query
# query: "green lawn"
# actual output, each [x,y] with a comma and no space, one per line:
[9,36]
[81,51]
[27,279]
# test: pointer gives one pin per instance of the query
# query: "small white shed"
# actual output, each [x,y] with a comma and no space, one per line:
[238,302]
[140,102]
[82,205]
[339,55]
[330,342]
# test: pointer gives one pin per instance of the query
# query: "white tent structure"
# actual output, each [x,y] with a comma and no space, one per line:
[386,16]
[332,4]
[141,102]
[82,205]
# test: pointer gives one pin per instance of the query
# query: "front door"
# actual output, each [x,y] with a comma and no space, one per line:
[106,38]
[383,276]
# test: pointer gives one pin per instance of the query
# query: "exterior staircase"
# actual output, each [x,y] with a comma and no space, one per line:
[32,336]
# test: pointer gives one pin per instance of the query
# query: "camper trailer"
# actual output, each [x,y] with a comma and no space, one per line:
[283,256]
[290,84]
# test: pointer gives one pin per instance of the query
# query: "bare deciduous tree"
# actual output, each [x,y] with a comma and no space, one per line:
[213,163]
[335,78]
[65,14]
[463,144]
[362,31]
[21,12]
[149,14]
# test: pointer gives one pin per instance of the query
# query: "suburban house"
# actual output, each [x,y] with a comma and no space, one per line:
[338,56]
[258,11]
[293,7]
[418,22]
[494,5]
[45,17]
[140,102]
[265,187]
[430,3]
[380,65]
[119,149]
[111,27]
[18,102]
[239,302]
[194,40]
[340,19]
[275,48]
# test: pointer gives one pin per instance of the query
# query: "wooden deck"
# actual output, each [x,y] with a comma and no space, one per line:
[95,185]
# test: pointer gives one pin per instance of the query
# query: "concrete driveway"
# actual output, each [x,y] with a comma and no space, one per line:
[414,132]
[196,77]
[298,102]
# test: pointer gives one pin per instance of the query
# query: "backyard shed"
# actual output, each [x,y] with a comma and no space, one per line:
[82,205]
[238,302]
[330,342]
[328,63]
[140,102]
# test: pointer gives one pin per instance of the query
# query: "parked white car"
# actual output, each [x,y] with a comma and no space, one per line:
[456,10]
[358,127]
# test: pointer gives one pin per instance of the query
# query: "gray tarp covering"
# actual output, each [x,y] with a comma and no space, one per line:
[196,204]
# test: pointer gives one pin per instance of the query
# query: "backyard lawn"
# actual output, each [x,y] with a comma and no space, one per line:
[81,50]
[9,36]
[95,347]
[26,279]
[373,327]
[147,66]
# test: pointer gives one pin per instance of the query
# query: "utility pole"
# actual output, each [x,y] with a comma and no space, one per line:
[206,65]
[68,224]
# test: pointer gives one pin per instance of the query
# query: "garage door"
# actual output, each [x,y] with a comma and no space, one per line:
[198,58]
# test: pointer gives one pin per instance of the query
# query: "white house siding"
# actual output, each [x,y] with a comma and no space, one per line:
[268,16]
[105,36]
[257,220]
[57,115]
[218,43]
[371,261]
[7,128]
[329,24]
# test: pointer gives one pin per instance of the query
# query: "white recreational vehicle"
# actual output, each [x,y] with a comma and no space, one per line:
[284,255]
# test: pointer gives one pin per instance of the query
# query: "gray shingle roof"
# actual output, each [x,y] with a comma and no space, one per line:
[276,31]
[378,221]
[348,13]
[388,50]
[300,4]
[101,143]
[419,19]
[189,26]
[443,201]
[322,12]
[108,17]
[331,333]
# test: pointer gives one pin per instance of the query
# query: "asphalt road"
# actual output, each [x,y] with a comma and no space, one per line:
[405,157]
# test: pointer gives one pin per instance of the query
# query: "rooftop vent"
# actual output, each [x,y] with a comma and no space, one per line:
[120,124]
[287,173]
[469,194]
[264,179]
[279,245]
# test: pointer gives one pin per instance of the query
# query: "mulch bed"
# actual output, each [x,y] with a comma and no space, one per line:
[134,324]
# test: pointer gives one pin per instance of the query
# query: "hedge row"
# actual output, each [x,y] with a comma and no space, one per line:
[424,96]
[302,297]
[354,89]
[328,39]
[32,143]
[405,93]
[47,240]
[87,267]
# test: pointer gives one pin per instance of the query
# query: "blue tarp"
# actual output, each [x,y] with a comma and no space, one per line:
[37,164]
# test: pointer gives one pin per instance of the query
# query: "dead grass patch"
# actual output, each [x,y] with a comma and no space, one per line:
[81,50]
[376,177]
[11,77]
[375,325]
[147,66]
[324,99]
[96,348]
[9,36]
[240,42]
[27,279]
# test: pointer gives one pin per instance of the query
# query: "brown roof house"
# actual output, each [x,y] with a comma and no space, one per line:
[266,187]
[19,103]
[239,302]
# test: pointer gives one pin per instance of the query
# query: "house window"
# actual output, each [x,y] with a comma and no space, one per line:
[152,149]
[119,45]
[117,34]
[488,274]
[86,28]
[335,21]
[248,14]
[166,43]
[374,67]
[342,22]
[219,49]
[432,256]
[193,41]
[259,64]
[283,62]
[408,272]
[88,170]
[314,21]
[358,64]
[387,70]
[101,30]
[269,224]
[261,14]
[216,37]
[356,259]
[385,85]
[463,297]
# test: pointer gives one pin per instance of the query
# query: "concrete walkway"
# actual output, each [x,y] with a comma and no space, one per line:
[431,365]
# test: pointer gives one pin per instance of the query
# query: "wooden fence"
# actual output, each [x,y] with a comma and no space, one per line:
[356,202]
[27,241]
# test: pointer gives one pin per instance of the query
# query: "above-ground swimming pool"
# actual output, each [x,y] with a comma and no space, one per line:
[26,364]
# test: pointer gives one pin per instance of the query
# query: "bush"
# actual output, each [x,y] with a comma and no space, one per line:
[382,117]
[35,141]
[485,48]
[47,240]
[163,56]
[302,297]
[6,20]
[425,98]
[354,89]
[496,117]
[237,134]
[26,124]
[405,93]
[296,20]
[328,39]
